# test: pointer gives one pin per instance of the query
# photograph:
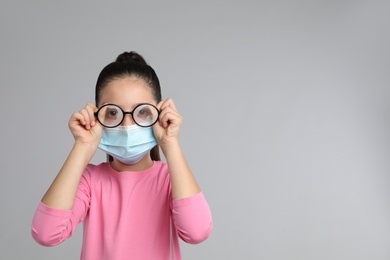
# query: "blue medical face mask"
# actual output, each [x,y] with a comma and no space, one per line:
[128,144]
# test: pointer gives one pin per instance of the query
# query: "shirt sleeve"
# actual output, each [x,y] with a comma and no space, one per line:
[192,218]
[51,226]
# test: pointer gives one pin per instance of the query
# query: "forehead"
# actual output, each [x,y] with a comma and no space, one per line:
[127,92]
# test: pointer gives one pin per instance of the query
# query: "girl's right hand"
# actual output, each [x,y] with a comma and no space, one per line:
[84,126]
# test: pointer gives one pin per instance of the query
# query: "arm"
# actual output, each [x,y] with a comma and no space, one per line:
[183,182]
[191,213]
[51,226]
[192,218]
[167,133]
[62,192]
[58,215]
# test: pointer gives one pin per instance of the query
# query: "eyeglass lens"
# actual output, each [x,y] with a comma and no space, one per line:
[112,115]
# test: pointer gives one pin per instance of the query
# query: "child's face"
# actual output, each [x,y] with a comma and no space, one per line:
[127,93]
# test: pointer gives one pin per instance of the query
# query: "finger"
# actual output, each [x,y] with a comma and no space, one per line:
[168,103]
[84,112]
[90,108]
[169,116]
[167,106]
[159,105]
[78,118]
[88,113]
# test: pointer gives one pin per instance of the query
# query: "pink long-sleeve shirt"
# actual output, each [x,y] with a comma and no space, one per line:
[126,215]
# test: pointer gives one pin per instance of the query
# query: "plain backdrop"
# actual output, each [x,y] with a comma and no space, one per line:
[285,107]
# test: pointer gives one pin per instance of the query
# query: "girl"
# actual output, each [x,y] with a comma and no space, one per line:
[134,206]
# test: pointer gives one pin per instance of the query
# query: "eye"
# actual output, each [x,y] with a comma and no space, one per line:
[112,112]
[144,112]
[145,115]
[110,115]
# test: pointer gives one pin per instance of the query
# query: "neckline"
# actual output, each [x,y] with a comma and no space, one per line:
[131,174]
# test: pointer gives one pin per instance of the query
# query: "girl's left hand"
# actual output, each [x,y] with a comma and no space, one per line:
[167,129]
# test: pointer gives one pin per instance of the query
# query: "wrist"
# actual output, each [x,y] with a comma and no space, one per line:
[86,149]
[170,145]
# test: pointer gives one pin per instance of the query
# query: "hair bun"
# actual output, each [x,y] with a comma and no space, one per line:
[131,57]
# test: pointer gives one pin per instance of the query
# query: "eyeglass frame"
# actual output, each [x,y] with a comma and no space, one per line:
[124,114]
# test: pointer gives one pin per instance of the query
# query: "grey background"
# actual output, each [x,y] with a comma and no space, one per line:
[285,106]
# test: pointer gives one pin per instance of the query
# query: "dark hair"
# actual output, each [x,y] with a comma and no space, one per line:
[126,65]
[130,64]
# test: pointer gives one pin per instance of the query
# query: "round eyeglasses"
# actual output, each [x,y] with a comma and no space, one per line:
[111,115]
